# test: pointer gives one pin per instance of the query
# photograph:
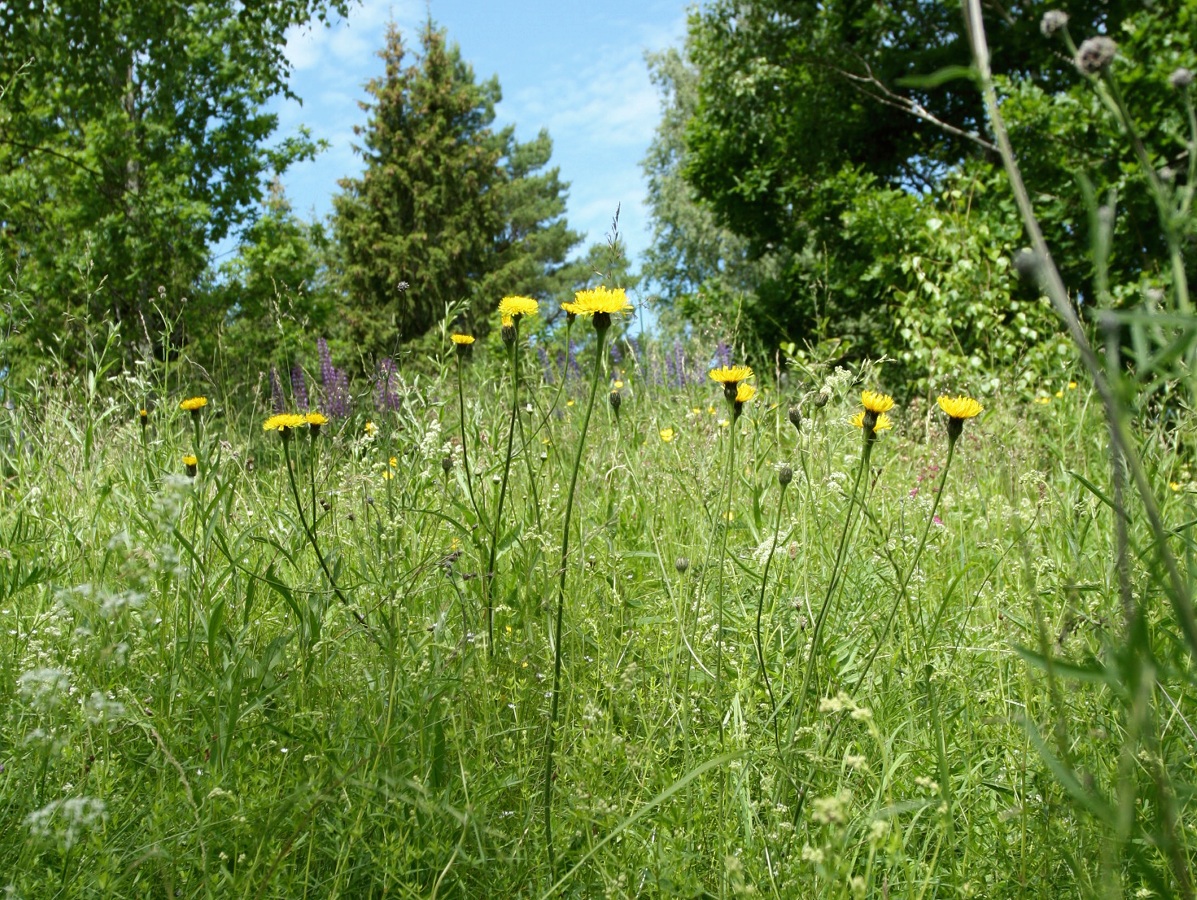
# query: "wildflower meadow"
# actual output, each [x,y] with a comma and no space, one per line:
[567,591]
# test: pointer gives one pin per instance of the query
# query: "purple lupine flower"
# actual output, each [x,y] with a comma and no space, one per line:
[299,388]
[549,377]
[337,394]
[277,400]
[327,369]
[723,354]
[384,397]
[679,365]
[616,353]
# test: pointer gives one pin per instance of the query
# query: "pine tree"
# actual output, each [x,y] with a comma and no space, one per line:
[448,209]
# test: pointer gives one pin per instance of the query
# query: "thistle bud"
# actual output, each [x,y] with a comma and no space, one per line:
[508,333]
[681,564]
[785,475]
[616,399]
[796,417]
[447,464]
[1095,54]
[821,398]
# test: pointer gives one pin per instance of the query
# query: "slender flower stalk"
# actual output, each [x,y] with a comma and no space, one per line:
[512,309]
[599,304]
[784,476]
[193,405]
[737,392]
[464,343]
[285,424]
[872,420]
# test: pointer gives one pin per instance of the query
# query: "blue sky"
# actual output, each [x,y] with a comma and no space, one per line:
[574,69]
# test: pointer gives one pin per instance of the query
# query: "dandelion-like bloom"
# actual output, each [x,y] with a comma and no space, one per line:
[876,402]
[510,307]
[370,429]
[315,420]
[144,415]
[283,423]
[744,393]
[730,377]
[191,463]
[883,422]
[667,434]
[958,409]
[574,309]
[612,301]
[194,404]
[462,340]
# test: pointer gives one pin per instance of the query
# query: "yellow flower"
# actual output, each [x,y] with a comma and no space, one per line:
[876,402]
[569,403]
[711,409]
[371,429]
[462,339]
[194,404]
[388,475]
[509,307]
[315,418]
[744,393]
[612,301]
[574,309]
[1072,385]
[283,421]
[1174,485]
[507,322]
[190,461]
[1059,393]
[618,385]
[394,461]
[144,413]
[883,422]
[1043,400]
[959,407]
[723,423]
[731,374]
[667,434]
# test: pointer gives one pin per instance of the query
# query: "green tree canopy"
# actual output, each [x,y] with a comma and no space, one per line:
[448,210]
[819,139]
[132,137]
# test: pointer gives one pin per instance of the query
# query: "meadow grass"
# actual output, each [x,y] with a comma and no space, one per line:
[188,709]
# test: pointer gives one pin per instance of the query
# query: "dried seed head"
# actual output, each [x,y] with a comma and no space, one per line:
[1095,54]
[1181,78]
[1053,20]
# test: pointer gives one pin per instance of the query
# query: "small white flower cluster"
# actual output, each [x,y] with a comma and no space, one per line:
[67,820]
[44,689]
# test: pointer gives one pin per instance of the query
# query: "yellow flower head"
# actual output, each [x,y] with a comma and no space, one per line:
[194,404]
[574,309]
[143,413]
[731,374]
[959,407]
[190,461]
[1072,385]
[394,461]
[883,422]
[315,418]
[371,429]
[507,322]
[510,307]
[667,434]
[876,402]
[462,339]
[612,301]
[618,385]
[745,392]
[283,421]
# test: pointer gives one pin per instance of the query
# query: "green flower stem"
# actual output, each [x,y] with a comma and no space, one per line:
[760,606]
[569,506]
[724,524]
[316,545]
[865,453]
[494,534]
[465,443]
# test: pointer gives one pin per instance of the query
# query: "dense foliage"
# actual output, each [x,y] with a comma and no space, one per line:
[820,140]
[132,137]
[448,212]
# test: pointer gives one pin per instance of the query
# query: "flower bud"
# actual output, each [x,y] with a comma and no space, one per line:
[796,417]
[447,464]
[785,475]
[682,563]
[616,399]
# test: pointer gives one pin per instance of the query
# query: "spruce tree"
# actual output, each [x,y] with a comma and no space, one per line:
[448,209]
